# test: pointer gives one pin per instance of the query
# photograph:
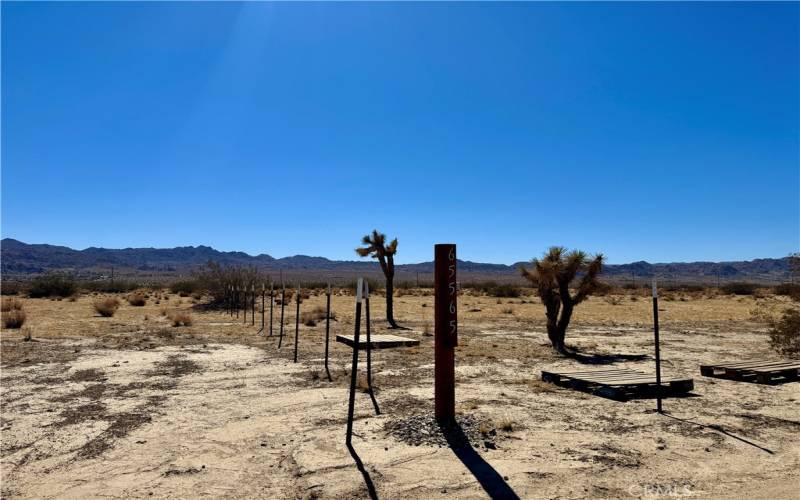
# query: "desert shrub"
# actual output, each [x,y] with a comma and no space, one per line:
[788,289]
[116,286]
[10,288]
[614,300]
[184,288]
[106,307]
[739,288]
[603,289]
[310,318]
[494,289]
[180,318]
[11,305]
[13,318]
[53,285]
[137,299]
[784,335]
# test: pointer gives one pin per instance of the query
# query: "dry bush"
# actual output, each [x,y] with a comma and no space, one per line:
[614,300]
[11,305]
[106,307]
[788,289]
[315,315]
[137,299]
[180,318]
[507,310]
[784,336]
[13,318]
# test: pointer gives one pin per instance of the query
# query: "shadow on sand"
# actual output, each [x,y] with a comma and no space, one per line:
[367,479]
[492,482]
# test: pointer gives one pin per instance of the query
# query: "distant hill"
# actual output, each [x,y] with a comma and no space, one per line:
[21,259]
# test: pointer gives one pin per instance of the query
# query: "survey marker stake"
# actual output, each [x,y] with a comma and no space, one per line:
[328,329]
[297,322]
[354,369]
[271,301]
[369,351]
[263,303]
[283,306]
[658,348]
[445,331]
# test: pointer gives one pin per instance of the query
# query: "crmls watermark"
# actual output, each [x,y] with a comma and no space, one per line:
[660,490]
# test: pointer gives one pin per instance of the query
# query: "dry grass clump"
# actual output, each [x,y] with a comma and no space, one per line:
[13,313]
[137,299]
[180,318]
[106,307]
[310,318]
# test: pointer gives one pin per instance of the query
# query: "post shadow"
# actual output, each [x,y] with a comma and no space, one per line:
[490,480]
[721,430]
[360,465]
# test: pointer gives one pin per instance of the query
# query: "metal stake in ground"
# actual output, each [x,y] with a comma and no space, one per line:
[263,293]
[327,329]
[244,303]
[658,347]
[369,351]
[297,322]
[354,368]
[283,306]
[271,301]
[236,301]
[446,331]
[253,303]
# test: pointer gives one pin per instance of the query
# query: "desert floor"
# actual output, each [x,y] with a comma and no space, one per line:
[130,406]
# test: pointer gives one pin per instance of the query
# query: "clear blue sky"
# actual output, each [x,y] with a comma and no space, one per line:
[663,132]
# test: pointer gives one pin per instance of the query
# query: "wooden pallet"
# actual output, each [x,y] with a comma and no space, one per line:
[760,371]
[619,384]
[377,341]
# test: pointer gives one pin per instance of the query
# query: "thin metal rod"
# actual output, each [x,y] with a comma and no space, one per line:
[328,330]
[271,302]
[283,306]
[297,323]
[236,301]
[658,348]
[244,303]
[369,351]
[354,368]
[253,302]
[263,303]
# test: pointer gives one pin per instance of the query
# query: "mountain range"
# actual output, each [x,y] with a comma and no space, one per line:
[21,259]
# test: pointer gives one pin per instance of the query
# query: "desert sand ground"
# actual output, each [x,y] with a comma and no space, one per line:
[130,406]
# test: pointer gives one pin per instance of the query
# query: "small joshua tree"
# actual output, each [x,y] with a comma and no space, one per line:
[376,247]
[552,275]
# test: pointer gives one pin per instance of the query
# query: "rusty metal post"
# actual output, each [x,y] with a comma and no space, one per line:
[354,368]
[446,331]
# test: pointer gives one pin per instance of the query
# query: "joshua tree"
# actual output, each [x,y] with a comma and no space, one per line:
[552,275]
[377,248]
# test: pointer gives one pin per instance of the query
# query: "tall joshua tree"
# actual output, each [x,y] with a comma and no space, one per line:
[376,247]
[552,276]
